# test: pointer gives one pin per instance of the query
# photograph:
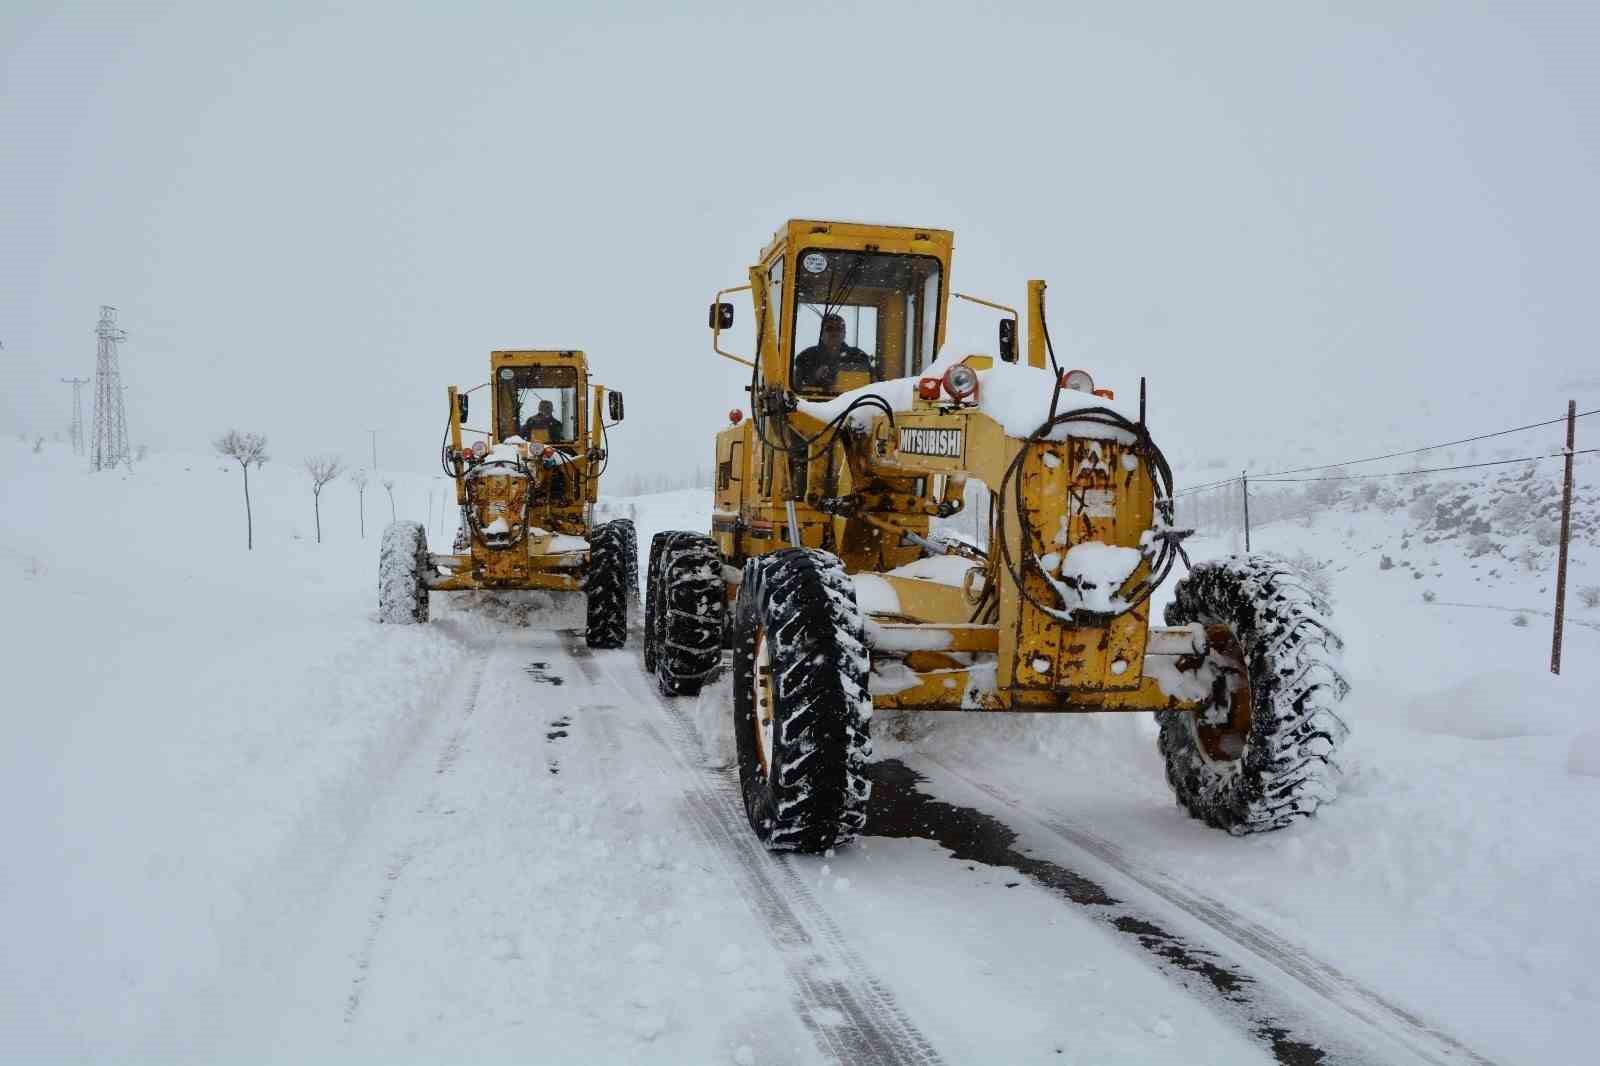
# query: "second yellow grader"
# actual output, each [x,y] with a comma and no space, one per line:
[526,488]
[823,571]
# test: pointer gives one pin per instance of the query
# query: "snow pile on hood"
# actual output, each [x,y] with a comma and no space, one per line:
[504,452]
[1016,396]
[1091,576]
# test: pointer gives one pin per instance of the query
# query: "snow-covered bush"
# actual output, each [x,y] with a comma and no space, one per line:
[1424,507]
[1326,493]
[1428,595]
[1368,493]
[1481,544]
[1589,595]
[1520,621]
[1387,499]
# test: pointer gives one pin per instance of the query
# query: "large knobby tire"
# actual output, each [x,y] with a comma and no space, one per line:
[650,596]
[1255,772]
[801,711]
[631,552]
[684,610]
[606,584]
[403,567]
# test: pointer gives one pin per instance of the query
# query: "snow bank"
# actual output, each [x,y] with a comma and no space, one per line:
[1584,756]
[1495,705]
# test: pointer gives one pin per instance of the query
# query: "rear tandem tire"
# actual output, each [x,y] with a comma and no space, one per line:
[605,586]
[403,567]
[1284,768]
[656,543]
[685,603]
[800,656]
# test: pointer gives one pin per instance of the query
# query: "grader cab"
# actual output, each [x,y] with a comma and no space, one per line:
[526,489]
[825,570]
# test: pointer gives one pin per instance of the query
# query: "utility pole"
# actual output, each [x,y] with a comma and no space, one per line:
[110,416]
[1244,478]
[1566,533]
[77,412]
[374,448]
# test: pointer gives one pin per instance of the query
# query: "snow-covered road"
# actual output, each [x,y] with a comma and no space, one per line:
[555,874]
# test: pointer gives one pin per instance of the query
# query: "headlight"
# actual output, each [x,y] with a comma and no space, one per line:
[961,382]
[1078,380]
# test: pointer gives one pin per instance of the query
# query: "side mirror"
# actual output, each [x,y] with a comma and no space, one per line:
[614,400]
[1008,340]
[720,316]
[461,406]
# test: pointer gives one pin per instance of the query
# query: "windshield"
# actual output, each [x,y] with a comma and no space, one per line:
[537,403]
[861,317]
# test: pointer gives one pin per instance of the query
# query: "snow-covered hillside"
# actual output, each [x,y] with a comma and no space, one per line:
[243,821]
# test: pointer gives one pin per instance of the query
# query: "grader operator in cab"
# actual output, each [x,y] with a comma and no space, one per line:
[821,570]
[526,489]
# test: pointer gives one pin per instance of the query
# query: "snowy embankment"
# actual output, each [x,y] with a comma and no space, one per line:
[192,729]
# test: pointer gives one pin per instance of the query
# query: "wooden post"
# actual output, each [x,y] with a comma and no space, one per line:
[1244,479]
[1566,532]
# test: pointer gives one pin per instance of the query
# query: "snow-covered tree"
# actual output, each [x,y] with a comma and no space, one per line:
[359,477]
[246,449]
[388,486]
[322,469]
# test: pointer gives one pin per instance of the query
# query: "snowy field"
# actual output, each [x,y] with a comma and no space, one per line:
[246,823]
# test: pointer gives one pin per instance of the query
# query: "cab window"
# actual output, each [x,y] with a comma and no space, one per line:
[537,403]
[861,317]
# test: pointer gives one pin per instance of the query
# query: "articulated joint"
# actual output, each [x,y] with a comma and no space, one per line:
[777,402]
[839,506]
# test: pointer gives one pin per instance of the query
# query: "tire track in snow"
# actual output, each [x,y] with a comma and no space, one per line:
[1325,982]
[850,1013]
[402,858]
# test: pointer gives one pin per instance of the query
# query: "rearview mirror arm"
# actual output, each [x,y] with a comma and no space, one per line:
[716,330]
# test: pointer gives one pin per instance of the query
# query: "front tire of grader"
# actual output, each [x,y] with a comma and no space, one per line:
[684,608]
[1267,760]
[801,713]
[606,585]
[403,568]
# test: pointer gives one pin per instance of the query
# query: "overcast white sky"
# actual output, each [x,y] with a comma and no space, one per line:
[1316,228]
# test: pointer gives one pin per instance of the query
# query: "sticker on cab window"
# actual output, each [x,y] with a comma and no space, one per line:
[815,262]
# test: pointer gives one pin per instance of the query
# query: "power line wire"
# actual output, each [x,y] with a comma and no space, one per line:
[1428,448]
[1278,475]
[1430,470]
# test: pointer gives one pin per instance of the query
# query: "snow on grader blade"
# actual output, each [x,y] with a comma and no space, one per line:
[821,571]
[526,489]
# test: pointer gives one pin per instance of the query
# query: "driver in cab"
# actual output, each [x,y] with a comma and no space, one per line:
[818,365]
[545,421]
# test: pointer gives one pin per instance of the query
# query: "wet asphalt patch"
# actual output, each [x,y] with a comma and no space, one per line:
[540,672]
[558,730]
[898,808]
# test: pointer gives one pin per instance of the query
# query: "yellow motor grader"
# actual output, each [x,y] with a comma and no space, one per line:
[526,488]
[825,572]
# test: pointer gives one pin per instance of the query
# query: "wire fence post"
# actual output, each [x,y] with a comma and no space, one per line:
[1244,481]
[1566,533]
